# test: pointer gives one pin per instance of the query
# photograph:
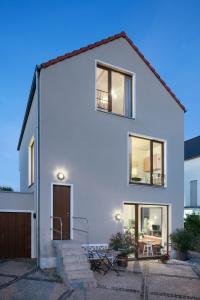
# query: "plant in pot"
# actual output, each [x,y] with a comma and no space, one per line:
[181,242]
[123,242]
[164,258]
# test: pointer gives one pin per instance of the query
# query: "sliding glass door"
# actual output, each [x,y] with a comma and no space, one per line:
[149,225]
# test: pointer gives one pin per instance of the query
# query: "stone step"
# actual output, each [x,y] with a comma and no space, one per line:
[76,251]
[76,267]
[74,258]
[80,274]
[67,244]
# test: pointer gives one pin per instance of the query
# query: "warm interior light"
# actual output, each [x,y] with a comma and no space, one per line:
[134,172]
[60,176]
[117,217]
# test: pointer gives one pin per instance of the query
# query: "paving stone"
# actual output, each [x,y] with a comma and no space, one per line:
[15,267]
[45,274]
[156,297]
[99,294]
[125,280]
[28,289]
[136,266]
[4,279]
[174,286]
[172,269]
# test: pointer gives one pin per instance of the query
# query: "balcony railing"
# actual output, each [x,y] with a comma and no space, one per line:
[102,99]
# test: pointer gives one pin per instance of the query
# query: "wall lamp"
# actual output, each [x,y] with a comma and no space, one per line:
[118,217]
[60,176]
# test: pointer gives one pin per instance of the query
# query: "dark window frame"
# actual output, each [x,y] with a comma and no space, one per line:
[151,162]
[109,110]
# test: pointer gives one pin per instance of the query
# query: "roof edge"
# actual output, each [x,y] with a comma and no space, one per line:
[82,50]
[28,108]
[105,41]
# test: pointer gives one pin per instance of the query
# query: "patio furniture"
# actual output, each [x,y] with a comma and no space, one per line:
[148,248]
[101,257]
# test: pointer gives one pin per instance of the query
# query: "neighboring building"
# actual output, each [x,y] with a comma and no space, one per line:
[192,175]
[103,139]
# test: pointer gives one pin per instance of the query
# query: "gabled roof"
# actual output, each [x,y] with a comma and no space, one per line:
[192,148]
[90,47]
[105,41]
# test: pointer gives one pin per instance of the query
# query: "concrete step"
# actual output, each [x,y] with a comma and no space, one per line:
[80,274]
[76,267]
[74,259]
[67,244]
[75,251]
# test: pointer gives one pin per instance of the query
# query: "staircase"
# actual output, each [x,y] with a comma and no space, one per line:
[72,264]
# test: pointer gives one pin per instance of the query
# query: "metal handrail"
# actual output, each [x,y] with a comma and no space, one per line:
[61,226]
[81,230]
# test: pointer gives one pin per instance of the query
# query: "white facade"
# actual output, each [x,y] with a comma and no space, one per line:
[191,173]
[91,147]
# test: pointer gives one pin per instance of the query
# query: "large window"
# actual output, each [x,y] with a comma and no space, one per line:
[149,225]
[113,91]
[146,161]
[31,162]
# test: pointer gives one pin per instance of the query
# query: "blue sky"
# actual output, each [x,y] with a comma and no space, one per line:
[167,32]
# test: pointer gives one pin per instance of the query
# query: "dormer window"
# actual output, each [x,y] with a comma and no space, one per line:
[114,91]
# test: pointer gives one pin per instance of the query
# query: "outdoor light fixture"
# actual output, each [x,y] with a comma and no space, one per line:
[60,176]
[117,217]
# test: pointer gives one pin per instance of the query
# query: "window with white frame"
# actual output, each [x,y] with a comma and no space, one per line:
[31,158]
[114,91]
[146,161]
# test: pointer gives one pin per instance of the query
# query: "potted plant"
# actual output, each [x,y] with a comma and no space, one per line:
[123,242]
[122,260]
[181,242]
[164,258]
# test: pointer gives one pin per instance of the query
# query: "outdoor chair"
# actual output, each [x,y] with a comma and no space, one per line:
[100,257]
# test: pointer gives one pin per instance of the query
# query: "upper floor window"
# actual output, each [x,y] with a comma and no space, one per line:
[113,91]
[146,161]
[31,161]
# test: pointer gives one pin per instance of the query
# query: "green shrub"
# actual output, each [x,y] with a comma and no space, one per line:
[181,240]
[124,241]
[192,224]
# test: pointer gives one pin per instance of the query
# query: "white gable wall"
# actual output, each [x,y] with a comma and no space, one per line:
[92,146]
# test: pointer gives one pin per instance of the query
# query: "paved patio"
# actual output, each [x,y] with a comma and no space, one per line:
[142,280]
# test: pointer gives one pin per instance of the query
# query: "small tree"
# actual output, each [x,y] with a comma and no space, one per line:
[6,189]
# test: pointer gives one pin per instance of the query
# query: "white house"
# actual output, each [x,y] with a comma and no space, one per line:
[102,147]
[192,175]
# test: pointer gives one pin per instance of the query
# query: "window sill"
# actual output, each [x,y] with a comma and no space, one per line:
[147,185]
[114,114]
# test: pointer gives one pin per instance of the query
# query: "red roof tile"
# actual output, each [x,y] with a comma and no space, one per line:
[105,41]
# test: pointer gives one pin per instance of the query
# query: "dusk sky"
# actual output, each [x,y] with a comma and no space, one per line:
[31,32]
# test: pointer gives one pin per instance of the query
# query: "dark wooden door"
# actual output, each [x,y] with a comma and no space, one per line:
[61,208]
[15,235]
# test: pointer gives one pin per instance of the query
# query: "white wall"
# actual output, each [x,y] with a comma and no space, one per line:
[191,172]
[92,146]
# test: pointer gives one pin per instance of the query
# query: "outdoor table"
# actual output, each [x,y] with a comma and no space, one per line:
[103,258]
